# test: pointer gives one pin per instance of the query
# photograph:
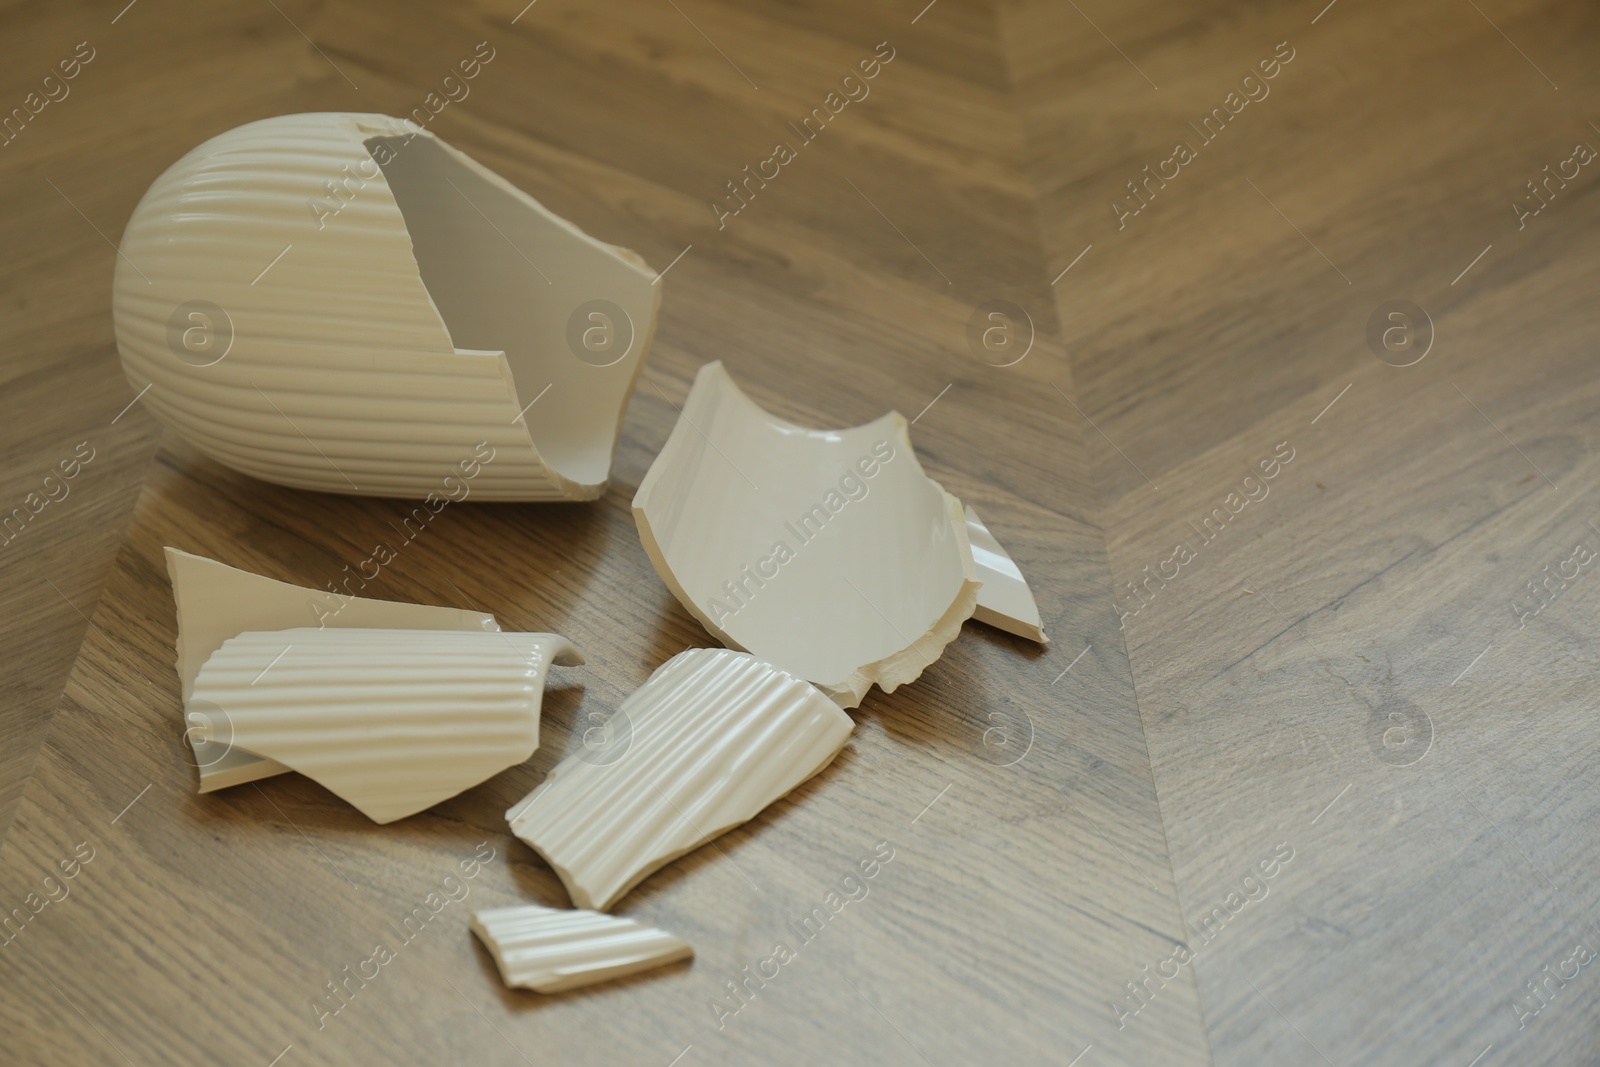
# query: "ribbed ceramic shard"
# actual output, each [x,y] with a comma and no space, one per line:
[1004,599]
[827,553]
[216,602]
[393,721]
[715,736]
[344,302]
[554,949]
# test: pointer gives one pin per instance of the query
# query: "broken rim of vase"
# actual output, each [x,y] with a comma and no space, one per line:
[714,737]
[827,553]
[1004,600]
[343,302]
[216,603]
[550,950]
[391,721]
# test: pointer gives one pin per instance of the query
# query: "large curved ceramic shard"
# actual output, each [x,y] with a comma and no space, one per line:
[715,736]
[828,553]
[344,302]
[216,602]
[393,721]
[554,949]
[1004,600]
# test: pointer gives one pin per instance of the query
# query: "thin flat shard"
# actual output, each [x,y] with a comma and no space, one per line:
[392,721]
[550,950]
[1004,600]
[713,737]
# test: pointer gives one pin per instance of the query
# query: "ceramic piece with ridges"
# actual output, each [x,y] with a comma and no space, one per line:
[392,721]
[554,949]
[216,602]
[1004,600]
[714,737]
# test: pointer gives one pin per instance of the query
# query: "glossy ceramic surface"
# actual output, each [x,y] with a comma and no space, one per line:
[553,949]
[827,553]
[346,303]
[1004,599]
[392,721]
[215,602]
[712,738]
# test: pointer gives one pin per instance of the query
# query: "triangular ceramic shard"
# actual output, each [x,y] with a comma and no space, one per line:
[714,737]
[554,949]
[827,553]
[1004,600]
[216,602]
[344,302]
[393,721]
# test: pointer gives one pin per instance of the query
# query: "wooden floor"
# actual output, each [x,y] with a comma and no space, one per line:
[1306,774]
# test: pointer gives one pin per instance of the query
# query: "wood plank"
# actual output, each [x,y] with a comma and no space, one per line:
[1371,591]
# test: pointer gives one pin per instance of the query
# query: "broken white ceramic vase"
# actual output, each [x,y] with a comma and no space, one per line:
[827,553]
[343,302]
[554,949]
[1004,600]
[392,721]
[243,729]
[714,736]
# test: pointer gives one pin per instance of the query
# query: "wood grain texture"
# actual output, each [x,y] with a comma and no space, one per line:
[1055,835]
[70,178]
[1370,596]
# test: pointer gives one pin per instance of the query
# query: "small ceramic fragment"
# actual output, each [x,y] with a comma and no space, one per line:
[1004,599]
[827,553]
[555,949]
[343,302]
[392,721]
[715,736]
[216,602]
